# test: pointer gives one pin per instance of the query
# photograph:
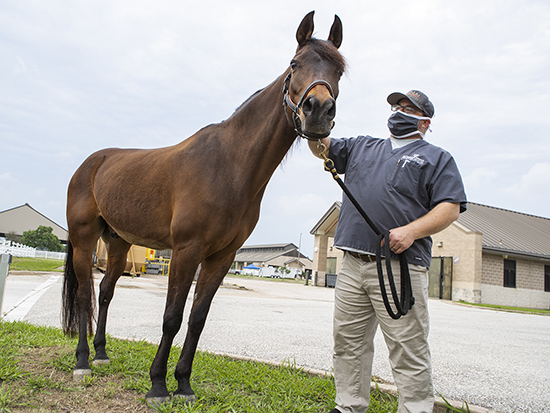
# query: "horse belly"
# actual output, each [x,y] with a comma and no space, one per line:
[142,241]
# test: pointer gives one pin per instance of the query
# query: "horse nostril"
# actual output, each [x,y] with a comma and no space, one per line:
[307,107]
[331,108]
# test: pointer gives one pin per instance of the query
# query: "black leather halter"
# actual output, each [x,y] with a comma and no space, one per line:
[295,108]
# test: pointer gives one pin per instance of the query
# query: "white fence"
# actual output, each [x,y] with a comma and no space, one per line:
[20,250]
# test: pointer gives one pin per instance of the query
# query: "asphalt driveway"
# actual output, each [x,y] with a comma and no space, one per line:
[494,359]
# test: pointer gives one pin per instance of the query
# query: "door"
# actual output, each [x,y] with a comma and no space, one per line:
[441,278]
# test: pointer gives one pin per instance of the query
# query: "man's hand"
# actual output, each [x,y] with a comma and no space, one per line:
[401,239]
[314,148]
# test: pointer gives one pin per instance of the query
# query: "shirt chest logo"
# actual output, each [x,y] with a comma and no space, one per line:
[405,159]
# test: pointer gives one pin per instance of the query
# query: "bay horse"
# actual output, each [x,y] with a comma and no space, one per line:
[200,198]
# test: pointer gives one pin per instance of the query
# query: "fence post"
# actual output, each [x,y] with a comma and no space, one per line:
[4,267]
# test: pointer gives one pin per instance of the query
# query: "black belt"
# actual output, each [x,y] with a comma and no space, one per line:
[363,257]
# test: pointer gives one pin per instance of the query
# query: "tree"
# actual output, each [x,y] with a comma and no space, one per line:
[43,239]
[12,236]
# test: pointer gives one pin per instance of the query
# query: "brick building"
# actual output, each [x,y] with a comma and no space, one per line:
[490,255]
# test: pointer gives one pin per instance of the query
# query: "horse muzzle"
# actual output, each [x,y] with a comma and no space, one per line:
[317,117]
[313,116]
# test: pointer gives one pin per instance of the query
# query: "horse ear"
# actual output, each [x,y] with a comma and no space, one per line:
[306,29]
[336,32]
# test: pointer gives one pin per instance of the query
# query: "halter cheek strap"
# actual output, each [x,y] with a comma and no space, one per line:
[295,108]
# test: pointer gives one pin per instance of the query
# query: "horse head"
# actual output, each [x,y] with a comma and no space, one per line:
[312,80]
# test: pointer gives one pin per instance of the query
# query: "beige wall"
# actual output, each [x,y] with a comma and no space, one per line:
[336,253]
[465,247]
[24,218]
[320,249]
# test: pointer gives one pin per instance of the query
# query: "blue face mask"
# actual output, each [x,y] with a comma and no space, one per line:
[403,125]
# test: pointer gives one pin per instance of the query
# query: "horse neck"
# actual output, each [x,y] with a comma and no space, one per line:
[261,132]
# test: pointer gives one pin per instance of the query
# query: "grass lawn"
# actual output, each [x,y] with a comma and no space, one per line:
[35,264]
[36,375]
[508,308]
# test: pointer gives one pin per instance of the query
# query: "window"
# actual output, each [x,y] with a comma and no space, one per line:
[510,273]
[547,278]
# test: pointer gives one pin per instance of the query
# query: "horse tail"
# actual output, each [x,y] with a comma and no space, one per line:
[70,306]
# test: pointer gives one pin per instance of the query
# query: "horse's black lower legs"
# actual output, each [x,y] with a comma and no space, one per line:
[116,262]
[179,284]
[210,278]
[105,296]
[82,367]
[85,307]
[197,320]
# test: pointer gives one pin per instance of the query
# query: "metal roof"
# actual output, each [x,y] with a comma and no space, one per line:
[263,253]
[508,231]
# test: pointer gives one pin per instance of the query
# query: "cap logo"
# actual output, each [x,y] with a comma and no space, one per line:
[414,94]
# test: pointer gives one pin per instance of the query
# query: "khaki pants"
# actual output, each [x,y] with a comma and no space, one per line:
[358,310]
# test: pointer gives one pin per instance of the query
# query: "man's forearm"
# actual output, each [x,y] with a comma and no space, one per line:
[436,220]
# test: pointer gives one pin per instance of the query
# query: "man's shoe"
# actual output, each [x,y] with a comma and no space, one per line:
[334,411]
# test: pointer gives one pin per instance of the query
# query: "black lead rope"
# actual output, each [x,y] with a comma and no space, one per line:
[407,300]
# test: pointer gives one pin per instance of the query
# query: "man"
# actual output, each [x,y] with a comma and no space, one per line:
[413,189]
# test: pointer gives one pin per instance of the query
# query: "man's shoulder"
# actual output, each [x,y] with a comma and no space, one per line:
[434,151]
[359,140]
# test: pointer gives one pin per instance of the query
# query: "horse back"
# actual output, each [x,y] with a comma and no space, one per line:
[158,197]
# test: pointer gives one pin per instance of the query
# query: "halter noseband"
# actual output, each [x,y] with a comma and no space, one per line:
[295,108]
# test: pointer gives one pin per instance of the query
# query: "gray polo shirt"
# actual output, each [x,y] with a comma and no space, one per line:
[394,187]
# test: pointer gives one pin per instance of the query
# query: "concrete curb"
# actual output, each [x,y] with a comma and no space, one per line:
[439,406]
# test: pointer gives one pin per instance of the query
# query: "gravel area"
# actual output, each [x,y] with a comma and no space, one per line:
[498,360]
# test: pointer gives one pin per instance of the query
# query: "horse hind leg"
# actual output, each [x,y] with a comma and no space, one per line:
[117,251]
[78,296]
[212,274]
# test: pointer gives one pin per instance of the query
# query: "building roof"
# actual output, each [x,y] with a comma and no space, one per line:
[507,231]
[263,253]
[327,224]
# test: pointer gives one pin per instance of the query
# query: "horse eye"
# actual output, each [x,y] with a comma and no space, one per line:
[294,64]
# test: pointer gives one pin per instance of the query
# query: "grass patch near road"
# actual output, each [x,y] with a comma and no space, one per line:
[36,375]
[35,264]
[508,308]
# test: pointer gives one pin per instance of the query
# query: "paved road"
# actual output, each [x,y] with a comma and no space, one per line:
[493,359]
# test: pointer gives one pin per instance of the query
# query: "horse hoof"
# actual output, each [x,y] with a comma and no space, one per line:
[188,398]
[101,362]
[80,374]
[155,402]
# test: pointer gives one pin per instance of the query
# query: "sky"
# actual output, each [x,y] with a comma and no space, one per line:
[79,76]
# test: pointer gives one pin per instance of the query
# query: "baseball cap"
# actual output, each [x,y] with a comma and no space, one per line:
[418,99]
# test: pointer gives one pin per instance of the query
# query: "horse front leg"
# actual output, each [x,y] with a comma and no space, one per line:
[116,263]
[182,272]
[210,278]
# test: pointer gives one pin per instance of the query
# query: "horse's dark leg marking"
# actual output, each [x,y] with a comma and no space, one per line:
[116,262]
[212,274]
[182,272]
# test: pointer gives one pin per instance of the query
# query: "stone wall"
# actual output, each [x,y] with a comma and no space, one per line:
[529,291]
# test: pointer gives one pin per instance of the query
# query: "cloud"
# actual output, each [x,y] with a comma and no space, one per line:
[87,75]
[534,185]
